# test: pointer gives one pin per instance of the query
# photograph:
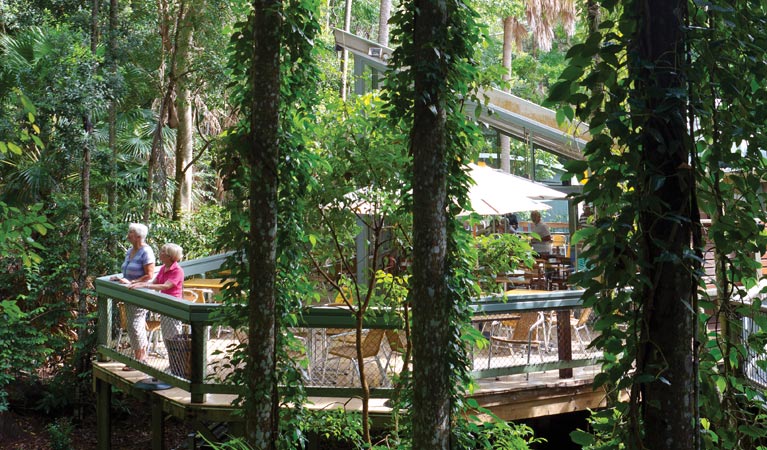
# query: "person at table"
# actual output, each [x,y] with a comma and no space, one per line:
[513,223]
[138,266]
[586,220]
[587,217]
[169,280]
[541,244]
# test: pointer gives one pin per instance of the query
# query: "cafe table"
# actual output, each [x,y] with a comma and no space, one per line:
[214,285]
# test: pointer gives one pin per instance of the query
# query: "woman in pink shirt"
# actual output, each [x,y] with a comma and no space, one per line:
[169,280]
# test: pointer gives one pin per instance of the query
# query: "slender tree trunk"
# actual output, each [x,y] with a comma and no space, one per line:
[112,139]
[95,35]
[593,15]
[504,142]
[155,157]
[384,14]
[667,401]
[85,214]
[345,53]
[431,301]
[182,195]
[261,403]
[81,292]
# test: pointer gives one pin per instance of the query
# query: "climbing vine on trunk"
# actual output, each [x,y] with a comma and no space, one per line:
[673,94]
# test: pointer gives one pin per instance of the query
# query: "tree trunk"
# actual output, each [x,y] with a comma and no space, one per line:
[345,53]
[156,155]
[94,25]
[85,234]
[431,301]
[112,139]
[593,16]
[85,214]
[182,194]
[384,14]
[504,141]
[261,403]
[667,401]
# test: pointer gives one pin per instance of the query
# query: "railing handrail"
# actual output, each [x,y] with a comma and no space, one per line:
[157,301]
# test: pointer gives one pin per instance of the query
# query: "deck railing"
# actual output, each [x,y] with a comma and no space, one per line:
[199,360]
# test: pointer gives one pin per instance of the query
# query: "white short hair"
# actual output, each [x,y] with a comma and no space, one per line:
[173,250]
[140,229]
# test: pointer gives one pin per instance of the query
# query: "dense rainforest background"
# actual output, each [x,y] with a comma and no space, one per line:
[221,128]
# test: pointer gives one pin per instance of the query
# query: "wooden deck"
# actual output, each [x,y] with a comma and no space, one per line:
[511,397]
[199,398]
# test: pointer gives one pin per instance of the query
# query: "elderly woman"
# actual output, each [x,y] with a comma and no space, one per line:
[137,267]
[169,280]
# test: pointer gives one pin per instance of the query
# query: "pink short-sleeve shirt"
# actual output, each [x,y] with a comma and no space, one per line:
[174,274]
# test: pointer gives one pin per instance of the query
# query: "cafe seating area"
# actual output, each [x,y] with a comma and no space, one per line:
[549,273]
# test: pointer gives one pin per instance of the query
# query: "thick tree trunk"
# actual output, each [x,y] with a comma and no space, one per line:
[85,235]
[504,141]
[431,301]
[261,404]
[182,194]
[667,402]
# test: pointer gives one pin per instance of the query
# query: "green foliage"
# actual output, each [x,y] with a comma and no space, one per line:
[493,434]
[602,436]
[61,434]
[54,67]
[22,347]
[336,424]
[361,179]
[19,230]
[196,233]
[499,254]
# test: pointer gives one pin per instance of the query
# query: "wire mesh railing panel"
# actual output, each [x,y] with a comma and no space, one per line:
[334,358]
[165,344]
[754,359]
[529,337]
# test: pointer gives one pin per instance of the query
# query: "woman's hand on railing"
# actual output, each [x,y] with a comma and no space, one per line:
[120,280]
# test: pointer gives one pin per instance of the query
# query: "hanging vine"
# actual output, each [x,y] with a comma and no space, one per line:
[455,79]
[298,76]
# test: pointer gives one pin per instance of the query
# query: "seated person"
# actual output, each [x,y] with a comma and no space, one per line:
[513,223]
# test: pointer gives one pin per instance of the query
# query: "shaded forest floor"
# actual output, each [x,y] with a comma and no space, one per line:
[26,428]
[30,430]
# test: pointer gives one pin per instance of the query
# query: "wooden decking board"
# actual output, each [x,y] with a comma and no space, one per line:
[514,397]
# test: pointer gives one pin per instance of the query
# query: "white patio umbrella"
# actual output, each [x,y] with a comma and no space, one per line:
[496,192]
[493,193]
[487,177]
[489,202]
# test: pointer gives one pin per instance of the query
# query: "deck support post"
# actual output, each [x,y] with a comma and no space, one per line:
[158,423]
[198,361]
[103,415]
[564,341]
